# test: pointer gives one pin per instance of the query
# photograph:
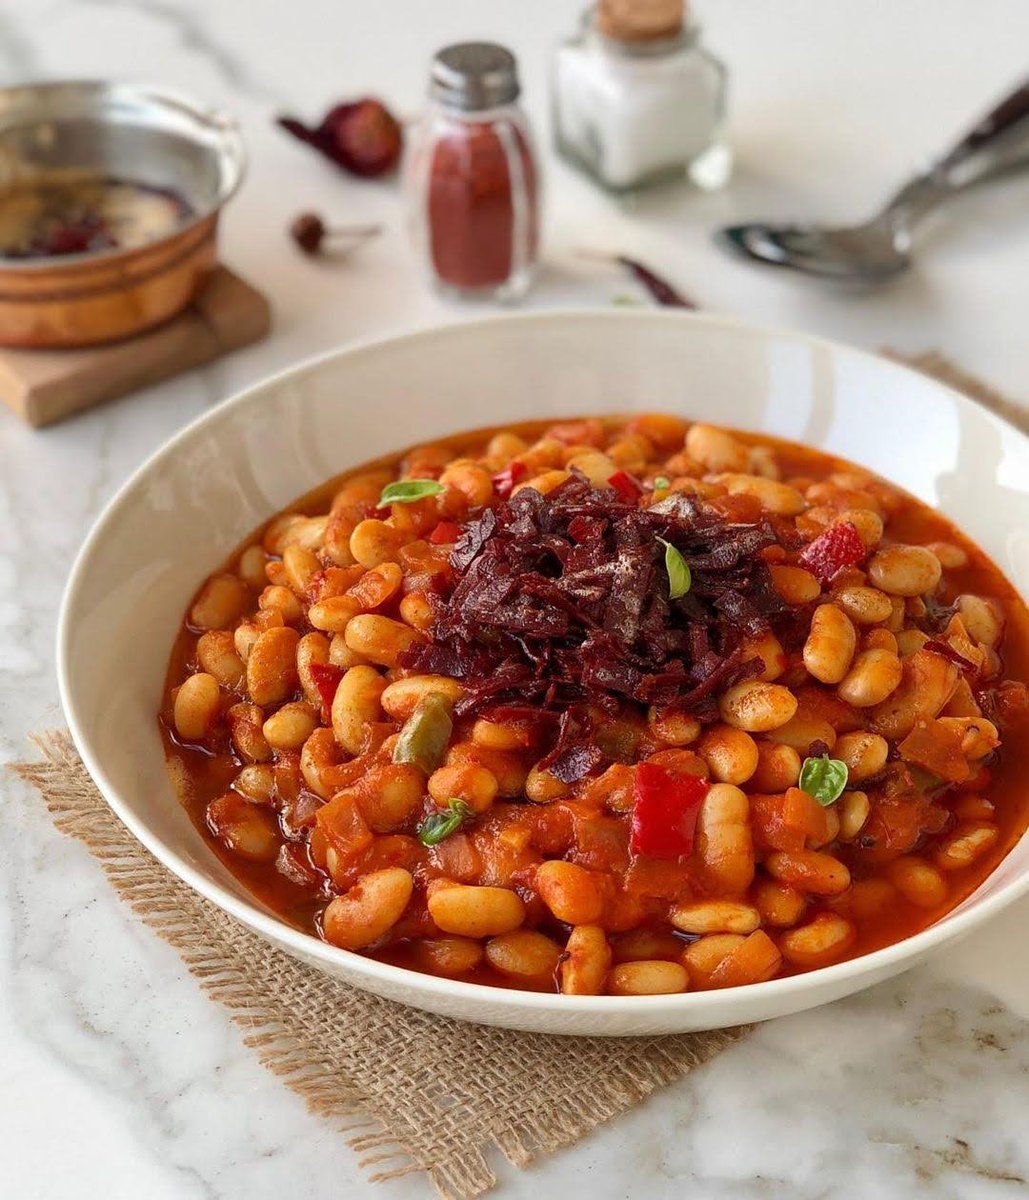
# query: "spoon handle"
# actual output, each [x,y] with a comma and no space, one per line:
[998,145]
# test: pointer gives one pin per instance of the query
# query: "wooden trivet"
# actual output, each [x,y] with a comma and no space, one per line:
[44,386]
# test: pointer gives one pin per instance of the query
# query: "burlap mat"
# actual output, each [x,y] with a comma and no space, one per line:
[413,1092]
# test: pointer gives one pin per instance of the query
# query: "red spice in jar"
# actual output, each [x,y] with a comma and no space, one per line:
[473,182]
[480,218]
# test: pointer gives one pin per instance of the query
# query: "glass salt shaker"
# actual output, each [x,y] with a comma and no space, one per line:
[471,178]
[638,99]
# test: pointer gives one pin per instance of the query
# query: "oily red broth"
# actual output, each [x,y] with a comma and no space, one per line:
[208,766]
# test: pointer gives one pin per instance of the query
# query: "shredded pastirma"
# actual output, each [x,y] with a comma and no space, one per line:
[562,599]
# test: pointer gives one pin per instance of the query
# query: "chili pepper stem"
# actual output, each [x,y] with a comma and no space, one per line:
[358,233]
[339,241]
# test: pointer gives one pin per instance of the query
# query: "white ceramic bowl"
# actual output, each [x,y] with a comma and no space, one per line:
[196,499]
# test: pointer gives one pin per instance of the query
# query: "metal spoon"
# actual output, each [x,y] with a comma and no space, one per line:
[997,146]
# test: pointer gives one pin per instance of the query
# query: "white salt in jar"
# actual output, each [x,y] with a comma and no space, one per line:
[637,99]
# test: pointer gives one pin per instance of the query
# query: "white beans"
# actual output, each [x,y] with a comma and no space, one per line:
[216,654]
[830,645]
[196,704]
[371,908]
[823,940]
[715,449]
[653,977]
[774,497]
[724,843]
[864,753]
[756,706]
[731,754]
[475,911]
[982,619]
[272,665]
[965,844]
[219,604]
[290,726]
[865,605]
[853,810]
[715,916]
[872,677]
[523,954]
[402,697]
[905,570]
[356,705]
[586,962]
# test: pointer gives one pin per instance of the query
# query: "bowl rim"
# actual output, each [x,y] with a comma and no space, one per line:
[231,154]
[377,973]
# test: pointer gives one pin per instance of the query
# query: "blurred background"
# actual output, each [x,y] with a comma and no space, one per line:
[830,106]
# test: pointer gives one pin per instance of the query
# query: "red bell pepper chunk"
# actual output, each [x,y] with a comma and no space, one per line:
[326,679]
[445,533]
[665,811]
[838,547]
[626,486]
[505,480]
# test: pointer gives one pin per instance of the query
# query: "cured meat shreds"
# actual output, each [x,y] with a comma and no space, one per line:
[562,602]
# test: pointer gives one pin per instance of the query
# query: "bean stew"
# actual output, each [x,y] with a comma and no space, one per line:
[617,705]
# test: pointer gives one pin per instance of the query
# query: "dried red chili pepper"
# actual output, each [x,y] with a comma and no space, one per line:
[665,293]
[660,289]
[665,811]
[362,136]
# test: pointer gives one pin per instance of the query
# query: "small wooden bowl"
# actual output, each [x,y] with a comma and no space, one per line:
[125,132]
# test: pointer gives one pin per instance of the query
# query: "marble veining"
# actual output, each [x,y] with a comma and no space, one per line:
[118,1079]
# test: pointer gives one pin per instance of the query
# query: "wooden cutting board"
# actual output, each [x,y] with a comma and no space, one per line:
[45,386]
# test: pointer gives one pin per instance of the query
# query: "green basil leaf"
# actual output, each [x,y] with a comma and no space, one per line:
[679,577]
[438,826]
[406,491]
[662,482]
[824,778]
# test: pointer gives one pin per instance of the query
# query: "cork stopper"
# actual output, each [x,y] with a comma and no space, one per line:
[640,20]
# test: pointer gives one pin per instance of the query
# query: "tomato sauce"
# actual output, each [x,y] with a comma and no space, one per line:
[600,835]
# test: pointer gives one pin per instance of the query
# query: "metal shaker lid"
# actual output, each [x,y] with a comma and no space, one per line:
[474,75]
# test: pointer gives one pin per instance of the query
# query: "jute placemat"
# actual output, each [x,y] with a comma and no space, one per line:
[412,1092]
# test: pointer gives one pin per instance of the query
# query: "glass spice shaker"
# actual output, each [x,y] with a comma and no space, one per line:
[471,178]
[637,98]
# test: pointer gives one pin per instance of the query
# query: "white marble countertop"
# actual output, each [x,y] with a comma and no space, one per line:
[118,1079]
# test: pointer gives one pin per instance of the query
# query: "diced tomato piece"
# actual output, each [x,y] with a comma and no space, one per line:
[505,480]
[627,487]
[803,813]
[838,547]
[937,747]
[753,961]
[445,533]
[326,679]
[665,811]
[768,824]
[655,878]
[344,828]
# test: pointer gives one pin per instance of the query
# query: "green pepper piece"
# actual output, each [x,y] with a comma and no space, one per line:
[426,733]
